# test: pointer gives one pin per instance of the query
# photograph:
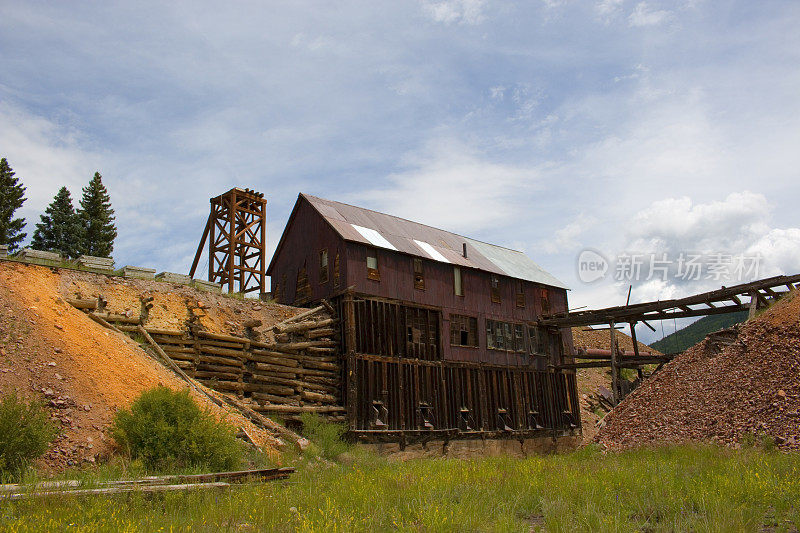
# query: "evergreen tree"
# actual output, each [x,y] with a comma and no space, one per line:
[11,198]
[60,229]
[97,218]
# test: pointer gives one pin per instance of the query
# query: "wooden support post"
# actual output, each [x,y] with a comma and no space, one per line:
[349,325]
[231,225]
[200,248]
[614,365]
[633,338]
[753,305]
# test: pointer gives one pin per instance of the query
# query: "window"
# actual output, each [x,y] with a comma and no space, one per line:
[463,331]
[372,266]
[544,295]
[419,276]
[323,266]
[495,289]
[505,336]
[457,286]
[336,271]
[519,338]
[302,291]
[538,341]
[520,295]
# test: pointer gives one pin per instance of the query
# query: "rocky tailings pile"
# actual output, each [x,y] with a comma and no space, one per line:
[721,391]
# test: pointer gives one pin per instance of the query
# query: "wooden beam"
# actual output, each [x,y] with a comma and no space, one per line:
[200,247]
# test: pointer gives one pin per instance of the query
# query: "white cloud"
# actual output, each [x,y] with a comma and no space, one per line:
[779,250]
[452,186]
[644,15]
[45,155]
[677,224]
[468,12]
[567,239]
[607,9]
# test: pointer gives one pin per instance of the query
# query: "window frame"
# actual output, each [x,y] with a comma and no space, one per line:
[520,296]
[419,273]
[464,321]
[373,273]
[458,287]
[494,289]
[324,276]
[336,272]
[505,336]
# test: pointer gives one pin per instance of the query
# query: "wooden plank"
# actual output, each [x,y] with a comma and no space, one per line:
[221,337]
[614,367]
[235,354]
[279,408]
[318,397]
[227,361]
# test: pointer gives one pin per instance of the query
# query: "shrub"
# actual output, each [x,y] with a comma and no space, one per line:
[167,430]
[25,432]
[326,436]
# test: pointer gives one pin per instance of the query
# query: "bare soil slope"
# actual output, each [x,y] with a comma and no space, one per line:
[707,393]
[82,371]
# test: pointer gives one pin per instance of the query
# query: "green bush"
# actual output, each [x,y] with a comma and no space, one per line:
[167,430]
[326,436]
[25,432]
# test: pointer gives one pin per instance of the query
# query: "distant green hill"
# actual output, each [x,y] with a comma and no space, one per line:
[696,331]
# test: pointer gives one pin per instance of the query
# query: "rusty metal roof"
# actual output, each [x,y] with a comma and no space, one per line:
[369,227]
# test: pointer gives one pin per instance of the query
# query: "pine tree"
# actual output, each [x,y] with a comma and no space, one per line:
[97,218]
[11,198]
[60,229]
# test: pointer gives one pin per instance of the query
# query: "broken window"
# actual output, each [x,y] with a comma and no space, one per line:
[336,271]
[463,331]
[520,295]
[519,338]
[323,266]
[419,275]
[372,265]
[457,286]
[302,288]
[505,336]
[422,333]
[495,289]
[544,296]
[537,341]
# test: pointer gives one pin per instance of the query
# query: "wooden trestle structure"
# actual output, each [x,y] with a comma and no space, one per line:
[236,231]
[744,297]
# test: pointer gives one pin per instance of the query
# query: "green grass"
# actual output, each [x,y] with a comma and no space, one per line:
[667,489]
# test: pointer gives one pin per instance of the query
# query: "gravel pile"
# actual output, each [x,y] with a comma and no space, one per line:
[721,393]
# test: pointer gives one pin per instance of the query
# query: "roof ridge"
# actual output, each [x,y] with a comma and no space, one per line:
[413,222]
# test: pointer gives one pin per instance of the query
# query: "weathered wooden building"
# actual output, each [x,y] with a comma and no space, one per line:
[439,333]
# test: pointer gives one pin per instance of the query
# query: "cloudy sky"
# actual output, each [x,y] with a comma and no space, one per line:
[550,127]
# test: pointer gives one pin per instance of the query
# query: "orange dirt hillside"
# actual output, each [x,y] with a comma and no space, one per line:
[82,371]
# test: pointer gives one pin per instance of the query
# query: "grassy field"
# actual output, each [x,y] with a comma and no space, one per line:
[668,489]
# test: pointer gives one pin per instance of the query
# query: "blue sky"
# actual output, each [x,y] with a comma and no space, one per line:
[543,126]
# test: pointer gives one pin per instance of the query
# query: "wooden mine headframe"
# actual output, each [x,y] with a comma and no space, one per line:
[236,231]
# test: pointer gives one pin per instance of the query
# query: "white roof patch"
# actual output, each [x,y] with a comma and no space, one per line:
[374,237]
[431,251]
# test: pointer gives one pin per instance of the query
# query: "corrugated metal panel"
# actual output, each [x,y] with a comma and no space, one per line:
[431,251]
[374,237]
[403,235]
[516,264]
